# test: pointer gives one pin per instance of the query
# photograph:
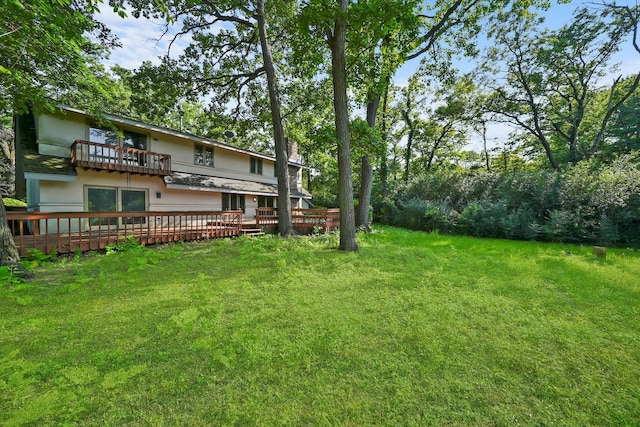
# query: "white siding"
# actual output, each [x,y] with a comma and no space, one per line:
[56,134]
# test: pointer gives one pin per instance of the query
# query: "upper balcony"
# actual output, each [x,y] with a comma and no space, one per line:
[92,155]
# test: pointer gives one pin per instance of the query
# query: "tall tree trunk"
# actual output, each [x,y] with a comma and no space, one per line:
[337,42]
[285,226]
[364,195]
[8,251]
[366,171]
[408,148]
[7,163]
[484,142]
[384,168]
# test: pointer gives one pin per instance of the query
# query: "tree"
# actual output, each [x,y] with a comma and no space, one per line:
[387,40]
[623,133]
[411,106]
[285,225]
[458,110]
[47,56]
[552,77]
[228,63]
[408,30]
[336,39]
[7,162]
[8,252]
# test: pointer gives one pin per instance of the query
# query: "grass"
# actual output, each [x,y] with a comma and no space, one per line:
[415,329]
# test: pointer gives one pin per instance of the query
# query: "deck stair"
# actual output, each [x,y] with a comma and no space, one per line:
[252,232]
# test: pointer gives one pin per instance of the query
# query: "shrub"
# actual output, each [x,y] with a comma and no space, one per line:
[411,214]
[484,219]
[440,217]
[587,203]
[13,203]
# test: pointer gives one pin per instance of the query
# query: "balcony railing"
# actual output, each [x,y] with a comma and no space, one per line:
[304,221]
[71,231]
[92,155]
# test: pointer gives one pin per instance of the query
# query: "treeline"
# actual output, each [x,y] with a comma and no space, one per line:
[586,203]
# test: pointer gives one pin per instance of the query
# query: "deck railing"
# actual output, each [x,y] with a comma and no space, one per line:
[72,231]
[92,155]
[303,220]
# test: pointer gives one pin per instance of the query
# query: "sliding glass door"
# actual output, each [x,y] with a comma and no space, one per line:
[113,199]
[133,201]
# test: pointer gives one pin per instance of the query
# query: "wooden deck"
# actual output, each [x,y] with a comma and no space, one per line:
[305,221]
[68,232]
[93,155]
[86,231]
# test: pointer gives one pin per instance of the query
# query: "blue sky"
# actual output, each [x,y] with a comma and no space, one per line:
[140,42]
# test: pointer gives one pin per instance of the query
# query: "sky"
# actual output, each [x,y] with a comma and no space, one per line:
[141,40]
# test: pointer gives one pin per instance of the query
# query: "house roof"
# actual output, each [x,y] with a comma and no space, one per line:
[188,181]
[41,164]
[175,133]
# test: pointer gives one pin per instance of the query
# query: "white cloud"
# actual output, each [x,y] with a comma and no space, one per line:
[142,39]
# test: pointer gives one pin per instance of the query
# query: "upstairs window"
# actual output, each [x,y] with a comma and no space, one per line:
[134,140]
[203,155]
[256,166]
[103,135]
[127,138]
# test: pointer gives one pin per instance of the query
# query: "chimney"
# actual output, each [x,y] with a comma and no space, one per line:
[292,150]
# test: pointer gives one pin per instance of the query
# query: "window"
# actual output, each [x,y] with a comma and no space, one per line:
[110,138]
[106,136]
[134,140]
[203,155]
[256,165]
[103,135]
[102,200]
[108,199]
[266,202]
[232,202]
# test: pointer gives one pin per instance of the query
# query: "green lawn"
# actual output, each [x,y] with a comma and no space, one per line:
[415,329]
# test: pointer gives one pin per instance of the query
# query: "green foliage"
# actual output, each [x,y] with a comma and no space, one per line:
[8,276]
[550,85]
[623,133]
[13,203]
[124,244]
[36,257]
[48,54]
[484,219]
[14,286]
[590,203]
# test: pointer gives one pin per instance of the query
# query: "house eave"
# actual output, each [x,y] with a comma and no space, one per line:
[49,177]
[195,182]
[175,133]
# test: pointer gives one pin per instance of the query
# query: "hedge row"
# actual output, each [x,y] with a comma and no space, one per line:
[586,203]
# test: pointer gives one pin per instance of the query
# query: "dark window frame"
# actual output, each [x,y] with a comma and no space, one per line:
[203,155]
[233,202]
[255,165]
[118,137]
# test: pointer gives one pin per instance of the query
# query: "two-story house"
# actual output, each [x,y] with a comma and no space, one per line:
[68,161]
